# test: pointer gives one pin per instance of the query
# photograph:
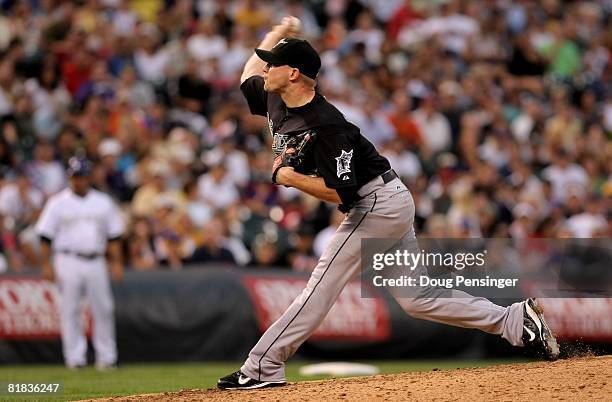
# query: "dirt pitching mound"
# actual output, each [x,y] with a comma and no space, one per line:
[588,378]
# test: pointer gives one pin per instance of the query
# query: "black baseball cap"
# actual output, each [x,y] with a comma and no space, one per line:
[297,53]
[78,166]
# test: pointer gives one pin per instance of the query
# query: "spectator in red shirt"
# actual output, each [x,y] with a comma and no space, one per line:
[401,118]
[403,16]
[77,70]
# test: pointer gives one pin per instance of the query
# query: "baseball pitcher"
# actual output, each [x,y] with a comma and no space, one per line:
[320,153]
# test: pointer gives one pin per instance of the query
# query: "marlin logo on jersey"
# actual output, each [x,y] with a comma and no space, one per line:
[343,164]
[279,141]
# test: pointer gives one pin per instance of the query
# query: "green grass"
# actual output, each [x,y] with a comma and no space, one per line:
[153,378]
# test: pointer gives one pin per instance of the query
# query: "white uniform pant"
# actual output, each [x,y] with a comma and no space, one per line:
[77,277]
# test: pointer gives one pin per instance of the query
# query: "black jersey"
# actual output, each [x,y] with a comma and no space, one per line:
[344,158]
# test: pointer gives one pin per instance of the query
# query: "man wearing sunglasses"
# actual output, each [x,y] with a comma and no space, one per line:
[279,82]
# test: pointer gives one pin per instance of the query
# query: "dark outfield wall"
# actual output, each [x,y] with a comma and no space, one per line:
[208,313]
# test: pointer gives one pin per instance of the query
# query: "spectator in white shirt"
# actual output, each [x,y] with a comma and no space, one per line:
[206,44]
[124,20]
[50,99]
[236,162]
[20,201]
[374,124]
[434,126]
[46,173]
[405,163]
[20,204]
[369,34]
[237,53]
[216,188]
[590,223]
[524,124]
[151,59]
[567,178]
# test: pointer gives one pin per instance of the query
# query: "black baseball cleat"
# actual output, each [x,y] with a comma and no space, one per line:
[238,380]
[537,335]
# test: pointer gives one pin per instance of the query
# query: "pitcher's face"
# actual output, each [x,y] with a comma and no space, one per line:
[276,77]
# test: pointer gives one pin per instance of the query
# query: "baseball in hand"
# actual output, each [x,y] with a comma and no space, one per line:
[293,25]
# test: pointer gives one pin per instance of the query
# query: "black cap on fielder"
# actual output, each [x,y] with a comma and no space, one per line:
[293,52]
[78,166]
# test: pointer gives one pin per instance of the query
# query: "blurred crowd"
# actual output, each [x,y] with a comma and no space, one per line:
[497,114]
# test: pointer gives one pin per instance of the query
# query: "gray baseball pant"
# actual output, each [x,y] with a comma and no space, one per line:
[385,211]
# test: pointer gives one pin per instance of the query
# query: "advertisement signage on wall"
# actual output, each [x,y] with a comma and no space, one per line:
[152,307]
[351,318]
[29,309]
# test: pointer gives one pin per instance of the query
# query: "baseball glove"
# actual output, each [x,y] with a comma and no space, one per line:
[296,153]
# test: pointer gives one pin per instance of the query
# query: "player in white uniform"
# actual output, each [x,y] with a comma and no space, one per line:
[79,225]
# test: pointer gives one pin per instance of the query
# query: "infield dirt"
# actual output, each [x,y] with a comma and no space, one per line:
[586,378]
